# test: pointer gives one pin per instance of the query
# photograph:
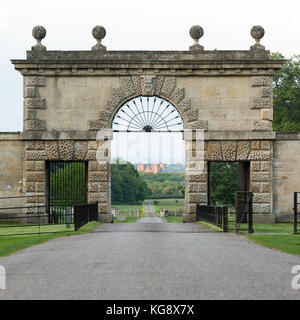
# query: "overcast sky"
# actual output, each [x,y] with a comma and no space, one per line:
[135,25]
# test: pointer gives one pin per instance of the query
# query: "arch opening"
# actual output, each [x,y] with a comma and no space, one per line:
[148,114]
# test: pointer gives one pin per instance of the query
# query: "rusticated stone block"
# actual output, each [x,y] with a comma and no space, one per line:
[197,198]
[259,155]
[185,104]
[202,177]
[35,176]
[229,150]
[266,114]
[168,86]
[35,155]
[97,196]
[102,208]
[261,103]
[51,148]
[261,125]
[261,197]
[193,188]
[93,145]
[30,187]
[91,155]
[35,165]
[66,148]
[255,187]
[256,208]
[266,187]
[98,176]
[192,115]
[29,145]
[265,166]
[200,125]
[265,145]
[38,81]
[80,150]
[40,187]
[97,187]
[191,208]
[40,145]
[214,151]
[255,165]
[265,208]
[35,125]
[260,81]
[35,103]
[202,187]
[95,166]
[29,114]
[178,95]
[260,177]
[104,115]
[29,92]
[243,149]
[255,145]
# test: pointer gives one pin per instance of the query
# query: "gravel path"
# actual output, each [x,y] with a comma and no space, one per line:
[149,261]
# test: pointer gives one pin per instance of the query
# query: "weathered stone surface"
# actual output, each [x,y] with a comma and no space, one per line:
[38,81]
[35,176]
[260,177]
[255,145]
[35,125]
[266,187]
[35,103]
[261,125]
[80,150]
[66,149]
[168,86]
[261,103]
[97,187]
[95,166]
[260,81]
[261,197]
[197,177]
[260,155]
[197,198]
[35,155]
[266,114]
[178,95]
[98,176]
[265,145]
[51,148]
[255,165]
[214,151]
[243,150]
[229,150]
[265,166]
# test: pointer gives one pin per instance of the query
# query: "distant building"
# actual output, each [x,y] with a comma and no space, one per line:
[151,168]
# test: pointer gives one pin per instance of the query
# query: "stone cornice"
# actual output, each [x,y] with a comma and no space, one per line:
[182,63]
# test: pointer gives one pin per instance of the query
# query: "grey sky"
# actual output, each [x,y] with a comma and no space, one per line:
[135,24]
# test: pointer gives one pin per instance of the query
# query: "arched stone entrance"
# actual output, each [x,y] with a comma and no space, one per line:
[69,96]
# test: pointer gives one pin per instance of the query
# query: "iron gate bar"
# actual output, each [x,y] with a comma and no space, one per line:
[244,201]
[216,215]
[296,212]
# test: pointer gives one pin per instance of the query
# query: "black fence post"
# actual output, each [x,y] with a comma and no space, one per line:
[250,209]
[225,219]
[295,212]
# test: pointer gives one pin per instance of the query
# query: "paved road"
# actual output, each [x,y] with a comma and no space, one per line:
[149,261]
[149,215]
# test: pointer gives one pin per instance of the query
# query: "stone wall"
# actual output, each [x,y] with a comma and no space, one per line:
[11,169]
[286,174]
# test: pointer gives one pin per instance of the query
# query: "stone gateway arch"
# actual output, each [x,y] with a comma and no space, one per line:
[69,96]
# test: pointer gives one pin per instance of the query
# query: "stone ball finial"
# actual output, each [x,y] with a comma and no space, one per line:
[39,33]
[257,33]
[196,32]
[99,33]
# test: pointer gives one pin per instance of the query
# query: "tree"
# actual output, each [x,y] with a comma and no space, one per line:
[286,94]
[126,184]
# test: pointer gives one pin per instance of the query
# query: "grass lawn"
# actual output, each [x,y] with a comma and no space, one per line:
[11,244]
[127,211]
[174,219]
[272,235]
[169,204]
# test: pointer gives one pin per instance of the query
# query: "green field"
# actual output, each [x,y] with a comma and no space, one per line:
[11,244]
[272,235]
[127,211]
[168,204]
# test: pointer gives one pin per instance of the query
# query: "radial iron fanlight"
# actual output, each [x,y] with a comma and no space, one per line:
[148,114]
